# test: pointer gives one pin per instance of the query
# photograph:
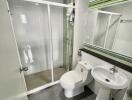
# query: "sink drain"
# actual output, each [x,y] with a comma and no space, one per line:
[107,80]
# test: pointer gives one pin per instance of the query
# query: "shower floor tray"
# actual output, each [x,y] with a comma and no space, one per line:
[42,78]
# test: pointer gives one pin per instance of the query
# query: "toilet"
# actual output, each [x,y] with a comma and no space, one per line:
[74,81]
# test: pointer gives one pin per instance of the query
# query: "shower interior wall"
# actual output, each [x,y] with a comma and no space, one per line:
[32,31]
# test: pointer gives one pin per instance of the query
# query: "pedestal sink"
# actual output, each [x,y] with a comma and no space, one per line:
[109,81]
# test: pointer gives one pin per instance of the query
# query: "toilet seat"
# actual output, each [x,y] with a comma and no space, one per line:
[71,79]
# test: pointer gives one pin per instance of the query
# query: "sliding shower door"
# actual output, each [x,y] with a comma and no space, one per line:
[31,26]
[62,25]
[44,35]
[57,25]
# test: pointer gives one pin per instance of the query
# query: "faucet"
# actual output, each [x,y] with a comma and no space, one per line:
[113,70]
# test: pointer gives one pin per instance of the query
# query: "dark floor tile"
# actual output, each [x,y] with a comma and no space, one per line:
[57,93]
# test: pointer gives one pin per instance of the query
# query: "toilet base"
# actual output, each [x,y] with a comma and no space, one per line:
[73,92]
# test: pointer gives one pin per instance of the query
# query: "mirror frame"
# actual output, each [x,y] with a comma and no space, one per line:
[119,60]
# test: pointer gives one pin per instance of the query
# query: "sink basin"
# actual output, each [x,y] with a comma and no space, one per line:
[114,81]
[109,81]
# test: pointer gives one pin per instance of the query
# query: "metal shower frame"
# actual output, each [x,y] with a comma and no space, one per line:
[48,3]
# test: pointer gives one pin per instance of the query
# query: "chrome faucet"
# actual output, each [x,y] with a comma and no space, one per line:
[113,70]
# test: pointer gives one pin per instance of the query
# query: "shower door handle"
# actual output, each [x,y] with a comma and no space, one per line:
[23,69]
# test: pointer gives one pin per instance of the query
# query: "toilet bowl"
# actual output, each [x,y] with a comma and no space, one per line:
[74,81]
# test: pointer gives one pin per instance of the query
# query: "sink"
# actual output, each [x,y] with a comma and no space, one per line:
[109,81]
[113,81]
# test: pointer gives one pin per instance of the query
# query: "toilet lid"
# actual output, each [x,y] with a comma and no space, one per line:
[71,77]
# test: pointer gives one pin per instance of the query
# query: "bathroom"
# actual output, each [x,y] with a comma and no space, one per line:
[62,50]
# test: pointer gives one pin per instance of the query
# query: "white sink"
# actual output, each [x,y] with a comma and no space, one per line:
[113,81]
[109,81]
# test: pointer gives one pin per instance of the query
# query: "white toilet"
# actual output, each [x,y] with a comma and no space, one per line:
[74,81]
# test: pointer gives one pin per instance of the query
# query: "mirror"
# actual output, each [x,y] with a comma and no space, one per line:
[113,29]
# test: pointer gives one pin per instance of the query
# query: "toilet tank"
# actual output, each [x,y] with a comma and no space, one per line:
[84,68]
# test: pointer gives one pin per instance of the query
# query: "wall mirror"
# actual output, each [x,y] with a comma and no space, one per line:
[113,30]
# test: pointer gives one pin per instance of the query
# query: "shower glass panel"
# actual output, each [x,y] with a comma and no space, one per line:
[101,29]
[57,24]
[44,35]
[62,33]
[31,26]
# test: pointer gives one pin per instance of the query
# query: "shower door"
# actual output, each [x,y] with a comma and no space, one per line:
[62,24]
[31,26]
[57,24]
[43,41]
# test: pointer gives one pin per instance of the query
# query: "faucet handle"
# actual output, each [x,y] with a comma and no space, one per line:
[113,70]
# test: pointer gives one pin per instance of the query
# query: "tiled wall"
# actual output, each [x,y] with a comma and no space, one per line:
[84,26]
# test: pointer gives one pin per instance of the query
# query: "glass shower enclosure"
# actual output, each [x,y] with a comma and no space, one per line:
[44,35]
